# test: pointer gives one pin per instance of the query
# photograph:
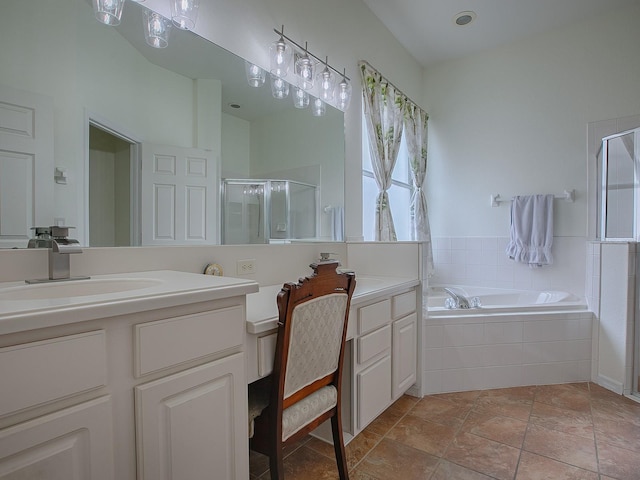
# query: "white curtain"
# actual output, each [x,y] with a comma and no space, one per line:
[415,134]
[383,111]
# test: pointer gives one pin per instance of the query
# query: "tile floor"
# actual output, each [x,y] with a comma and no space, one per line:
[558,432]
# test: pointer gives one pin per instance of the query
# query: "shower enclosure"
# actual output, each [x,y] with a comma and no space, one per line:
[619,218]
[268,211]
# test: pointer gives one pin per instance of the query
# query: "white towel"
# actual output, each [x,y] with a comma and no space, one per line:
[337,224]
[531,230]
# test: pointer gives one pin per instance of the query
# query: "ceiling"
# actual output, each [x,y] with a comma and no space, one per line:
[427,30]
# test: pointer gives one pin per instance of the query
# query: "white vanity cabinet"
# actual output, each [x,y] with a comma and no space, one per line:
[153,394]
[385,353]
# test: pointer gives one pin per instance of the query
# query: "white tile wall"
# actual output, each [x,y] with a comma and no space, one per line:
[481,352]
[482,261]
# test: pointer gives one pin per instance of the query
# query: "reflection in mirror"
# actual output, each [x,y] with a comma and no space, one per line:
[191,95]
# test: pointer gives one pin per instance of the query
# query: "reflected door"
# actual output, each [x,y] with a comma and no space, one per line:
[178,196]
[26,165]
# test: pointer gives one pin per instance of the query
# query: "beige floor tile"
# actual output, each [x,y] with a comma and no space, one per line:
[495,427]
[483,455]
[536,467]
[427,436]
[562,419]
[569,396]
[572,449]
[391,460]
[618,462]
[450,471]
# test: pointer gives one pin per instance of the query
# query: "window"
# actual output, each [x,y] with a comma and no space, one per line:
[399,192]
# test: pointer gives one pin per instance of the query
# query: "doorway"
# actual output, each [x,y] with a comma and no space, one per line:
[111,202]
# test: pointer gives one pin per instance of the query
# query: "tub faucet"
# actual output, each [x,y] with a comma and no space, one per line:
[461,300]
[56,239]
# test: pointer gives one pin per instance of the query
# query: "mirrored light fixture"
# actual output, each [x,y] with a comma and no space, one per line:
[300,98]
[108,12]
[279,88]
[256,76]
[184,13]
[280,55]
[156,29]
[305,69]
[318,108]
[343,93]
[326,82]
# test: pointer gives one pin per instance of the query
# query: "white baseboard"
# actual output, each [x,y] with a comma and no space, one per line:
[610,384]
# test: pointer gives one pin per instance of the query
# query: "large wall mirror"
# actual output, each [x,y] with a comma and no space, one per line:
[120,114]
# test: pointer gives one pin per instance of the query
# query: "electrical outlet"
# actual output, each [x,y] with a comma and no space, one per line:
[245,267]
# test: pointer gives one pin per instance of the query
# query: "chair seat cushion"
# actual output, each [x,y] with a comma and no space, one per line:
[309,408]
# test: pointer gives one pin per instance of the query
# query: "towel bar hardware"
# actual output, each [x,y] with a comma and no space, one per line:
[568,195]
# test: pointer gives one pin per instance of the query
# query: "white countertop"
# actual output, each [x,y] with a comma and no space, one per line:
[262,309]
[26,307]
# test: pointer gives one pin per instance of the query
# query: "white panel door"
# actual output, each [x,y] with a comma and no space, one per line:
[179,196]
[26,164]
[193,425]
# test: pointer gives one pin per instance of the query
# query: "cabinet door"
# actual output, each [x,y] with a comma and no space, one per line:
[73,444]
[404,354]
[193,425]
[374,390]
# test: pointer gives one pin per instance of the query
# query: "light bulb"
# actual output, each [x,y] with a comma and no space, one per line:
[108,12]
[343,94]
[305,70]
[256,76]
[156,29]
[300,98]
[326,82]
[280,54]
[184,13]
[319,108]
[279,88]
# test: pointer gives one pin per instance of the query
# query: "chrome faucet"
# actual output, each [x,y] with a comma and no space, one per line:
[460,300]
[56,239]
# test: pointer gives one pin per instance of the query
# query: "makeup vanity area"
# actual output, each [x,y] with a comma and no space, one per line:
[149,381]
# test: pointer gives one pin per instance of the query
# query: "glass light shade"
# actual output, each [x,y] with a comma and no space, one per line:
[279,88]
[108,12]
[184,13]
[326,83]
[300,98]
[256,76]
[318,108]
[305,71]
[343,94]
[281,55]
[156,29]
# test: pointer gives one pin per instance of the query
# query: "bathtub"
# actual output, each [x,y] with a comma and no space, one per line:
[516,338]
[496,300]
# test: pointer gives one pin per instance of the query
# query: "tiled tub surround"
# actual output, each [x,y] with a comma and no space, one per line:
[482,261]
[479,351]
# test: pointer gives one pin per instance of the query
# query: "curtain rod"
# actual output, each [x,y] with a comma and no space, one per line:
[360,62]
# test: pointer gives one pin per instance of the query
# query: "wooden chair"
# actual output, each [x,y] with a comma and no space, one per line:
[304,388]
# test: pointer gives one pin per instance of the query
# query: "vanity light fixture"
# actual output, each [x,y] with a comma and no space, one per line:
[108,12]
[280,54]
[304,65]
[326,82]
[156,29]
[343,93]
[319,108]
[256,76]
[184,13]
[279,88]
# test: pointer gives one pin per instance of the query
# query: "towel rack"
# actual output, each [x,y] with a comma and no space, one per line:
[568,195]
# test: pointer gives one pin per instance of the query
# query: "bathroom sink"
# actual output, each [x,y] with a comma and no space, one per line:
[77,288]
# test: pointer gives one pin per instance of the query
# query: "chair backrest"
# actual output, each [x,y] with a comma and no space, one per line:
[313,316]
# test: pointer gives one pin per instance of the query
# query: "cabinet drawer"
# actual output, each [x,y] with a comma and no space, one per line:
[173,341]
[373,343]
[373,316]
[39,372]
[403,304]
